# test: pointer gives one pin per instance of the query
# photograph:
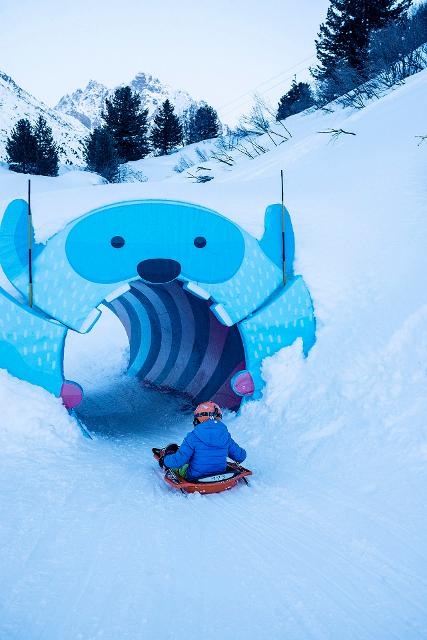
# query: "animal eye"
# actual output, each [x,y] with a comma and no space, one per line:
[200,242]
[117,242]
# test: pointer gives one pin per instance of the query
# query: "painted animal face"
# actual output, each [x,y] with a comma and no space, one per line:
[155,241]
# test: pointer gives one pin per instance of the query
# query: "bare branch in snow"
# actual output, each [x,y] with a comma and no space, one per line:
[199,178]
[223,157]
[245,151]
[335,133]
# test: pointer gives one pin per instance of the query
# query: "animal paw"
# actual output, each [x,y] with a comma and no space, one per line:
[71,394]
[243,384]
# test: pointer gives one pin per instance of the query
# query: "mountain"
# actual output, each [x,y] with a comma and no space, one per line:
[77,113]
[87,104]
[15,103]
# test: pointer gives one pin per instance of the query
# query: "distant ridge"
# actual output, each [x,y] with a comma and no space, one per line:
[16,103]
[87,104]
[79,112]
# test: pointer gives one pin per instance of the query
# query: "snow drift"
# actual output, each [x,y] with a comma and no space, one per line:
[329,540]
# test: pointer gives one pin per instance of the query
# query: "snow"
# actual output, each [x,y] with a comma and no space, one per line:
[41,422]
[328,542]
[87,104]
[16,103]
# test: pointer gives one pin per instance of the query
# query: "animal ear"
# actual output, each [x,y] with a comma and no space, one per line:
[14,239]
[271,241]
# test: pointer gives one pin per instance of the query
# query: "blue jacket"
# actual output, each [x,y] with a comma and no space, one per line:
[206,449]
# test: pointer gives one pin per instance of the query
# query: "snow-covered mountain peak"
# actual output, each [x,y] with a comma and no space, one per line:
[16,103]
[8,80]
[87,104]
[78,112]
[146,82]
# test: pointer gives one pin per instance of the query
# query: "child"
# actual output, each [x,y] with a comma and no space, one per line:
[204,450]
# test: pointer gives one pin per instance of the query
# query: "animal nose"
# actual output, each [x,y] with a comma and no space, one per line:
[159,270]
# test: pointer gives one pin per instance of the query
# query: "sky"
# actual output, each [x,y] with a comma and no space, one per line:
[221,51]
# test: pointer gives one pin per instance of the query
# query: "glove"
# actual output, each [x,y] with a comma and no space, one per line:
[167,451]
[171,448]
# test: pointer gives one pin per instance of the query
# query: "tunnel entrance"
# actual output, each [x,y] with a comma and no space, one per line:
[177,344]
[155,353]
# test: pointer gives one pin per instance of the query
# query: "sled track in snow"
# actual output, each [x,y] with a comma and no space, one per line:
[100,563]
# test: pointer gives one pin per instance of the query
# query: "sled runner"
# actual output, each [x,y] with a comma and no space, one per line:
[206,484]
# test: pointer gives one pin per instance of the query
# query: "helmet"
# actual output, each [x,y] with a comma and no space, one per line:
[206,411]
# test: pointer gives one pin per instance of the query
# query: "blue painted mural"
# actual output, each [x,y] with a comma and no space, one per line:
[202,301]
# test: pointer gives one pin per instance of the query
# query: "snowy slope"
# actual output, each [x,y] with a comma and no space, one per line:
[15,103]
[87,104]
[329,541]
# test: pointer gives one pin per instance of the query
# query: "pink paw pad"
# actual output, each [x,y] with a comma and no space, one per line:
[243,384]
[71,394]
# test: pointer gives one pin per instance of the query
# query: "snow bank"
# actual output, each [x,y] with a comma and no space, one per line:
[32,419]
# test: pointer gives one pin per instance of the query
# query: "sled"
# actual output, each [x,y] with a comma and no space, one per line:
[206,484]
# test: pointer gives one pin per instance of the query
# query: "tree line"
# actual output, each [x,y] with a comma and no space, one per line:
[125,135]
[359,40]
[363,45]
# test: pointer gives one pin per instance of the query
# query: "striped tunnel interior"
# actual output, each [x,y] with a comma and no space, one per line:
[177,344]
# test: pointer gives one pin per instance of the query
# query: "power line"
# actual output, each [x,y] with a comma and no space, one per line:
[226,104]
[251,93]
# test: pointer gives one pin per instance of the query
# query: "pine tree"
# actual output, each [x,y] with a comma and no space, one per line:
[47,159]
[202,124]
[187,124]
[297,99]
[101,155]
[344,37]
[21,148]
[127,124]
[167,131]
[393,49]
